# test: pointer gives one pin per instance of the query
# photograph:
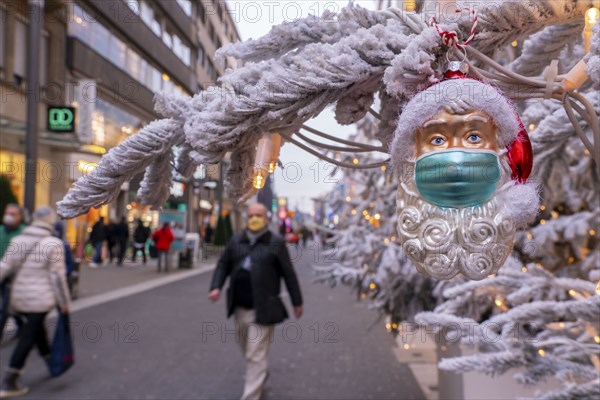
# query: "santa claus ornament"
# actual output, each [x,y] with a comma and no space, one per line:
[464,157]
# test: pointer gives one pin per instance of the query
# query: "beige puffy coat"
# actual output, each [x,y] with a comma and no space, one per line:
[37,260]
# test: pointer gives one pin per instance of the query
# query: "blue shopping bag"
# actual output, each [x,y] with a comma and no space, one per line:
[61,355]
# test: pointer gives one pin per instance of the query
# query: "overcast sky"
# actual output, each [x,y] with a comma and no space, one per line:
[305,176]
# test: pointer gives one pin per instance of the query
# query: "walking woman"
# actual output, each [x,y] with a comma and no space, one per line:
[36,261]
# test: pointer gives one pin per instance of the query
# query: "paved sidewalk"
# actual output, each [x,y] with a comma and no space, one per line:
[109,277]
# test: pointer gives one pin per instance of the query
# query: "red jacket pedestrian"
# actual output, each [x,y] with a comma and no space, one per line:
[163,237]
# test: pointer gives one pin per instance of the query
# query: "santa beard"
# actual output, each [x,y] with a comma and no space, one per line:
[443,242]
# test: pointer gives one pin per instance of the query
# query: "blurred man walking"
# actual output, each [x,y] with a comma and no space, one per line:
[121,232]
[97,237]
[255,261]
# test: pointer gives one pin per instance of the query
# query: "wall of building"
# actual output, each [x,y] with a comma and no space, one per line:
[113,45]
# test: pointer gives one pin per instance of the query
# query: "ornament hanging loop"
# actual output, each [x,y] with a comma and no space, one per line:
[450,38]
[456,69]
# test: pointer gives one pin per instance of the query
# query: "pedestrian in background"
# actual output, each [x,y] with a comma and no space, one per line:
[121,235]
[59,232]
[97,237]
[255,262]
[208,234]
[163,237]
[140,237]
[111,240]
[36,258]
[12,225]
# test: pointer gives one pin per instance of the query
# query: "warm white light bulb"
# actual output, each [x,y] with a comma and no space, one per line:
[591,16]
[591,19]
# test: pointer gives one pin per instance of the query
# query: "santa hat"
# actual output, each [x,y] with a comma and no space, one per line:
[471,94]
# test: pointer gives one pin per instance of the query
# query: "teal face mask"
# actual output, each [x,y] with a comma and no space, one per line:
[457,178]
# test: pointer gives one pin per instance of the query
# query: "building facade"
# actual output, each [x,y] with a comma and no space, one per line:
[101,62]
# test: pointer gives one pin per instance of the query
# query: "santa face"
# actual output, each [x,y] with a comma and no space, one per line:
[446,129]
[450,212]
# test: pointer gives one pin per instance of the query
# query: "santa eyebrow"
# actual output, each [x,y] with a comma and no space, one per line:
[433,122]
[476,118]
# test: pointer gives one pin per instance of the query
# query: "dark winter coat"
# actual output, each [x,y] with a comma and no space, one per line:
[141,234]
[270,262]
[99,233]
[121,231]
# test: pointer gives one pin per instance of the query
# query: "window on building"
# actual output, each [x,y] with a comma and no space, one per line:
[20,61]
[101,39]
[181,50]
[149,17]
[201,55]
[186,6]
[20,54]
[134,5]
[113,124]
[168,39]
[118,52]
[156,80]
[144,68]
[78,25]
[133,64]
[121,54]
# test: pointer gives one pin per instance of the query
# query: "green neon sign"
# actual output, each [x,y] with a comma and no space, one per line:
[61,119]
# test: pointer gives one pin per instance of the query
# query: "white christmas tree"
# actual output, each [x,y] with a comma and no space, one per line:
[350,58]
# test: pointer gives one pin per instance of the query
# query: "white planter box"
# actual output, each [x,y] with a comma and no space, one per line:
[478,386]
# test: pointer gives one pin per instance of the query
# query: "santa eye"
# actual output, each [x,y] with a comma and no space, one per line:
[438,141]
[473,138]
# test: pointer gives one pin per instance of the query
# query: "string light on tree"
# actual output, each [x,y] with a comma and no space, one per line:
[265,161]
[591,19]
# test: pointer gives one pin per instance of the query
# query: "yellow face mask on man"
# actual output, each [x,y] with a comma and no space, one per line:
[256,223]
